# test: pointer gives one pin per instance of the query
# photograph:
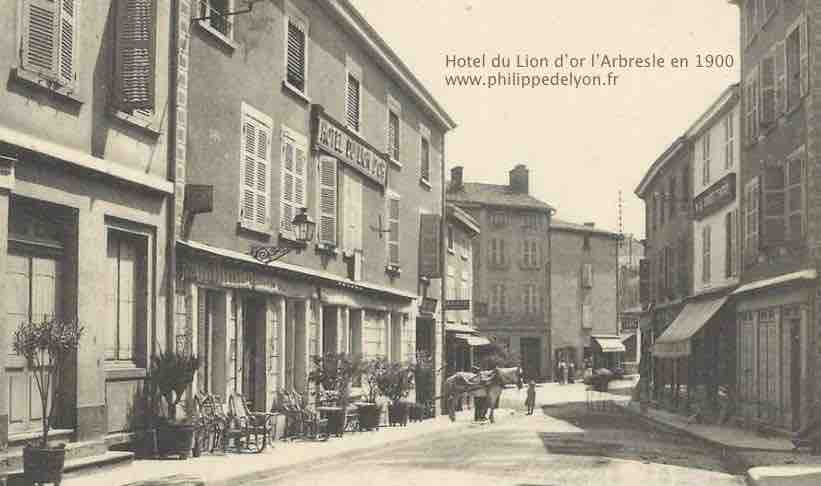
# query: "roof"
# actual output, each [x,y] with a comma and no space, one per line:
[558,224]
[376,46]
[808,274]
[495,195]
[463,217]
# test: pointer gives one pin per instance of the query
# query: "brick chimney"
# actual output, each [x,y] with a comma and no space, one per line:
[519,179]
[456,178]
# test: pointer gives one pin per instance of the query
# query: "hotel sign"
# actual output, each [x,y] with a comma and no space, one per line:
[335,139]
[716,196]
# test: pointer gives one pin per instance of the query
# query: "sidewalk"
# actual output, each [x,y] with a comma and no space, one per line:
[236,468]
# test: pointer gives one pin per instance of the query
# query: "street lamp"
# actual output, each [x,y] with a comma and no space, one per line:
[304,229]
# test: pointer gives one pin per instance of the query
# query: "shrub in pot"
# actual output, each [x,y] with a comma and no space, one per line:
[369,410]
[172,372]
[395,383]
[331,376]
[47,347]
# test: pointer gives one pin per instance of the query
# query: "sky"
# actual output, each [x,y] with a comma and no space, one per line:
[582,144]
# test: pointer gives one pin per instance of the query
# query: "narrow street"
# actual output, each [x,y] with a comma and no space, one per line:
[564,443]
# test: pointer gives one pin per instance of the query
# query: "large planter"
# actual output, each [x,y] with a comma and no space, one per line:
[398,413]
[175,440]
[369,414]
[44,464]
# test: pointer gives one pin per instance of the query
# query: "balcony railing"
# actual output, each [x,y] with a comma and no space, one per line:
[223,25]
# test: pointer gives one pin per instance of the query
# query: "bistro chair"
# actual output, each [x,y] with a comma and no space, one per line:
[249,430]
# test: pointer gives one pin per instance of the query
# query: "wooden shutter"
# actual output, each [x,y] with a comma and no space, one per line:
[393,135]
[256,141]
[768,96]
[729,250]
[393,236]
[780,79]
[328,189]
[804,56]
[429,245]
[294,166]
[134,55]
[68,42]
[39,40]
[352,102]
[773,206]
[296,55]
[794,193]
[352,211]
[425,159]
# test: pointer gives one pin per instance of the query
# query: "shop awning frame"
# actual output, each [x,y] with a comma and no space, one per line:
[674,342]
[609,344]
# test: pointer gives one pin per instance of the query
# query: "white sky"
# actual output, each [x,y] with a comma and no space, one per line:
[582,145]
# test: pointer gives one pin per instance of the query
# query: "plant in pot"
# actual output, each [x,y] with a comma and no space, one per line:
[331,376]
[47,347]
[395,383]
[369,410]
[172,372]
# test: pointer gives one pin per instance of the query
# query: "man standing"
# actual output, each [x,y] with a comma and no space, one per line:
[562,372]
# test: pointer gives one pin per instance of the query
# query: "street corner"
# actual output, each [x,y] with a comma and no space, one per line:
[787,475]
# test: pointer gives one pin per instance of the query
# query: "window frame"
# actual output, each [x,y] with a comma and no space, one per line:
[392,196]
[706,254]
[298,140]
[706,158]
[752,214]
[300,20]
[394,108]
[424,156]
[729,138]
[353,70]
[204,8]
[248,111]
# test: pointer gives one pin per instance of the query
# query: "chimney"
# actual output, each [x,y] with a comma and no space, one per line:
[519,179]
[456,178]
[590,225]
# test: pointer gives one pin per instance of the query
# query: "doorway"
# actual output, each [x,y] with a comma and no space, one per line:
[531,357]
[330,320]
[795,372]
[253,351]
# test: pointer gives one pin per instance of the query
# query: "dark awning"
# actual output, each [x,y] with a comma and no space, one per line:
[674,342]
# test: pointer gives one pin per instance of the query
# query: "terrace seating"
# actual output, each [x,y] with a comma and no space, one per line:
[210,423]
[249,430]
[300,421]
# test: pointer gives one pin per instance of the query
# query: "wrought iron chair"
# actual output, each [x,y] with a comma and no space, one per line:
[300,420]
[249,430]
[210,422]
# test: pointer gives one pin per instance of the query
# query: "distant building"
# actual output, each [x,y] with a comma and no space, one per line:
[511,285]
[583,295]
[631,311]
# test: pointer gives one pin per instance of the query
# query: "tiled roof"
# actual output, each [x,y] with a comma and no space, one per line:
[566,225]
[495,195]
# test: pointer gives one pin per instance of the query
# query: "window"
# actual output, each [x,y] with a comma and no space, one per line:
[751,97]
[797,64]
[425,160]
[530,299]
[352,210]
[705,158]
[498,219]
[328,197]
[467,288]
[49,40]
[393,235]
[450,238]
[498,299]
[255,211]
[751,201]
[651,214]
[530,254]
[293,167]
[586,242]
[685,182]
[731,254]
[795,199]
[394,111]
[768,100]
[128,288]
[662,198]
[705,254]
[774,207]
[450,289]
[352,102]
[217,21]
[134,61]
[587,275]
[296,41]
[497,252]
[729,155]
[532,221]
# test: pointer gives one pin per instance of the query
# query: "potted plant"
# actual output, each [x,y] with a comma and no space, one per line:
[395,383]
[47,347]
[369,410]
[172,372]
[331,376]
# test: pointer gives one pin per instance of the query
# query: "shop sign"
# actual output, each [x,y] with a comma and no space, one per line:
[229,276]
[629,324]
[338,141]
[715,197]
[456,305]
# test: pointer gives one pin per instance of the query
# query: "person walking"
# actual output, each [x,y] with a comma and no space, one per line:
[530,401]
[562,372]
[571,370]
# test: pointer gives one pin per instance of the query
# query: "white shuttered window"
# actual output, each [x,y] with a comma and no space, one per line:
[49,39]
[328,189]
[255,166]
[293,163]
[393,234]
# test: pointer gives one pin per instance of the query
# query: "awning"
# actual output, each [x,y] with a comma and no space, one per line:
[453,327]
[610,344]
[674,342]
[478,341]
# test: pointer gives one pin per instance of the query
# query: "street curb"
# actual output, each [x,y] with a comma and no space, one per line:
[263,474]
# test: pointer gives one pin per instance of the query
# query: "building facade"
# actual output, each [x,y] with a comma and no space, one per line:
[301,106]
[584,325]
[85,200]
[632,311]
[776,303]
[511,284]
[463,342]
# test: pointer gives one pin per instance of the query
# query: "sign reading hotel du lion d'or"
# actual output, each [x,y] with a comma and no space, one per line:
[330,136]
[715,197]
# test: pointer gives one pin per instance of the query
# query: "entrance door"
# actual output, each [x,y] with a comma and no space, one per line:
[531,357]
[253,352]
[329,330]
[33,292]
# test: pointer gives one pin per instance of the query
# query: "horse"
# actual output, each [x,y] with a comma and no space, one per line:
[488,384]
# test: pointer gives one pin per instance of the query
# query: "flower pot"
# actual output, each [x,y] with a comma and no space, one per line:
[175,440]
[369,414]
[43,464]
[398,413]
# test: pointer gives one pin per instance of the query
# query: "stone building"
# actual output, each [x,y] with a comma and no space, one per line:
[85,200]
[583,295]
[777,304]
[510,272]
[632,311]
[301,105]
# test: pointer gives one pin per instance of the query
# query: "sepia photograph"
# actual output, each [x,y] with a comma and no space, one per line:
[410,242]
